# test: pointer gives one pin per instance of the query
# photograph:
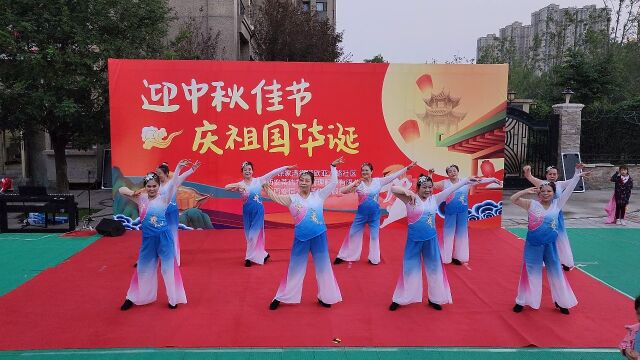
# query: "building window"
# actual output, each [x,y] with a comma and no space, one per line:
[306,6]
[321,6]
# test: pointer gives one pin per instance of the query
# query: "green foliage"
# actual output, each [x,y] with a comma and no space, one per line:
[602,74]
[53,64]
[285,32]
[376,59]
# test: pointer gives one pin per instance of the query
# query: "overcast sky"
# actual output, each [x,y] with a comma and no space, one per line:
[417,31]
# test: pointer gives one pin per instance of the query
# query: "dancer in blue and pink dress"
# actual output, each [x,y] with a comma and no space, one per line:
[368,190]
[306,207]
[563,245]
[173,212]
[422,246]
[456,218]
[250,189]
[157,243]
[540,246]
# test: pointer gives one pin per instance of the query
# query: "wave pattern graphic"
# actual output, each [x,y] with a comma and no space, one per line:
[131,224]
[480,211]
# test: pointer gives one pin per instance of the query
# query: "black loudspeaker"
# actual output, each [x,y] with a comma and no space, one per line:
[110,227]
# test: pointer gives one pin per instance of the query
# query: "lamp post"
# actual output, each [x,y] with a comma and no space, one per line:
[511,95]
[567,95]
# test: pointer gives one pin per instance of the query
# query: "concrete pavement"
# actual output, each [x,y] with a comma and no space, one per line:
[583,210]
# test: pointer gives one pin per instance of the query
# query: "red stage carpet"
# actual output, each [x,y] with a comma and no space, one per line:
[76,305]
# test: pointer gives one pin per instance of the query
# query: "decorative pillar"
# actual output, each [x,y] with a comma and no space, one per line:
[570,123]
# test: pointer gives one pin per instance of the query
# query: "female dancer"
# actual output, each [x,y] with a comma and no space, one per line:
[368,190]
[564,246]
[250,189]
[456,217]
[540,246]
[310,235]
[157,243]
[173,213]
[422,245]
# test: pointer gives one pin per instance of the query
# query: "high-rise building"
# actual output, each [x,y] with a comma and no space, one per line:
[232,21]
[553,31]
[489,43]
[228,18]
[326,9]
[517,38]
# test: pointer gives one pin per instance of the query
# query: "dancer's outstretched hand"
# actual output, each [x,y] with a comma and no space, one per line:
[412,165]
[413,197]
[338,161]
[292,167]
[233,187]
[581,166]
[196,165]
[475,179]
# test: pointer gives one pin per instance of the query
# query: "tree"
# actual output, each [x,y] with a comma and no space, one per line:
[626,15]
[53,64]
[376,59]
[284,31]
[194,41]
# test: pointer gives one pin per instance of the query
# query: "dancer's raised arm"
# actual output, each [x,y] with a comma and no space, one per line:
[326,191]
[284,200]
[236,186]
[267,177]
[570,185]
[532,179]
[351,187]
[130,194]
[182,177]
[177,179]
[444,194]
[523,203]
[390,177]
[405,195]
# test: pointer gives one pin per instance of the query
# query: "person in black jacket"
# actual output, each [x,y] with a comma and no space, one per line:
[622,193]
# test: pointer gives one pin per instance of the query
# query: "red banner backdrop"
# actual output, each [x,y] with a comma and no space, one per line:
[307,114]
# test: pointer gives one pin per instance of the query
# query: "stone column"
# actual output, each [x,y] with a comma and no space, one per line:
[568,129]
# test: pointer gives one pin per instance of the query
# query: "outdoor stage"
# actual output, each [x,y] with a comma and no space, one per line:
[76,304]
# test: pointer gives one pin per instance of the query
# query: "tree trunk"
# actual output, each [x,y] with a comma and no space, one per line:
[59,144]
[36,162]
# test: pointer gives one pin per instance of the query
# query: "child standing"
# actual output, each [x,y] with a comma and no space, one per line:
[630,345]
[622,192]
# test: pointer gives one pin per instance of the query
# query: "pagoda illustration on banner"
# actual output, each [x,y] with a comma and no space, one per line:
[439,115]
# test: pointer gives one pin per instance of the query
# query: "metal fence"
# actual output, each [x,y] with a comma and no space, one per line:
[611,138]
[528,141]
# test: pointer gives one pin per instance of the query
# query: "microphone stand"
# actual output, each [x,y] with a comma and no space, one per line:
[88,219]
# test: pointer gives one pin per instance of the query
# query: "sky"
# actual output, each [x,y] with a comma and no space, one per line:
[419,31]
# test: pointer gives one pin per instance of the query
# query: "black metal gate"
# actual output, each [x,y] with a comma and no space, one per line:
[528,142]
